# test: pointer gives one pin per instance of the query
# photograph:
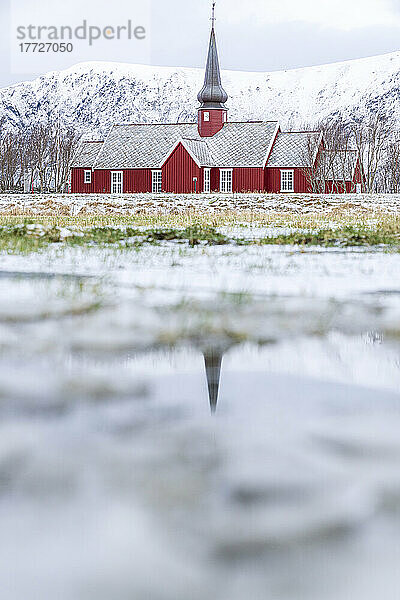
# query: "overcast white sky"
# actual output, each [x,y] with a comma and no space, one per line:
[259,35]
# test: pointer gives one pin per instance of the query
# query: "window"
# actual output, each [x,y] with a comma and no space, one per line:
[87,178]
[116,182]
[207,181]
[287,181]
[224,118]
[225,181]
[206,116]
[156,182]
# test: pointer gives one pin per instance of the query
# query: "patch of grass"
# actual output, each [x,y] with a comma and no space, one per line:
[345,236]
[193,235]
[33,235]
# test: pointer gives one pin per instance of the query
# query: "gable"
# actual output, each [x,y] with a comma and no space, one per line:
[180,154]
[197,150]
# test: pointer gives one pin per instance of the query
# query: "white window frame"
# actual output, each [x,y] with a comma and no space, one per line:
[206,116]
[287,181]
[117,182]
[207,181]
[156,182]
[224,118]
[87,176]
[226,181]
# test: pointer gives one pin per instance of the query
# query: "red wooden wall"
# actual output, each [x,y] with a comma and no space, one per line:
[243,180]
[134,181]
[248,180]
[178,173]
[101,182]
[180,169]
[137,181]
[214,180]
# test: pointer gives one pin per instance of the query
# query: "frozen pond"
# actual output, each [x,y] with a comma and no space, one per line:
[118,481]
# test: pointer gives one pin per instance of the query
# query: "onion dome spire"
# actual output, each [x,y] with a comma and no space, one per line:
[212,94]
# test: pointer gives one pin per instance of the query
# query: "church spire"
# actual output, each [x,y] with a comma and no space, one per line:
[212,96]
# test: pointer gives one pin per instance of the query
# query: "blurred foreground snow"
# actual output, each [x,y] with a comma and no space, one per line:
[115,481]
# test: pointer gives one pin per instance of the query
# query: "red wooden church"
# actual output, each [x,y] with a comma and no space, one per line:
[212,155]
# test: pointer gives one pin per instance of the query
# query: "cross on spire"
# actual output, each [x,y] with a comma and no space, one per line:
[213,19]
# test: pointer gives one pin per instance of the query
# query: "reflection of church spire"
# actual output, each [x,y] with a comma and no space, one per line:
[213,360]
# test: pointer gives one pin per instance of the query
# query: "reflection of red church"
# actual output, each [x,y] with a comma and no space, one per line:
[212,155]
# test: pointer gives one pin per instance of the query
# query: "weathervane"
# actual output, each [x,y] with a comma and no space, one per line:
[213,15]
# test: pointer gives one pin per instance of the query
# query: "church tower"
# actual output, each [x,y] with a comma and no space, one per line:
[212,114]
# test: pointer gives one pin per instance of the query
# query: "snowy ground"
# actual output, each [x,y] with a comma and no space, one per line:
[74,204]
[115,480]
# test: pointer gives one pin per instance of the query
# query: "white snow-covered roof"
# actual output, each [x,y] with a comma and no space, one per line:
[293,150]
[87,154]
[245,144]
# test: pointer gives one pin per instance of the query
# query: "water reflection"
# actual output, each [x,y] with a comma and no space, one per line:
[213,361]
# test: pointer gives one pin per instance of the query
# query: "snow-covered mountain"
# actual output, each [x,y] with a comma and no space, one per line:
[93,95]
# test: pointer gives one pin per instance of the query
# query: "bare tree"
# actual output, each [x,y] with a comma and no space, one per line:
[311,159]
[335,167]
[9,145]
[41,154]
[389,174]
[372,135]
[324,155]
[63,147]
[40,140]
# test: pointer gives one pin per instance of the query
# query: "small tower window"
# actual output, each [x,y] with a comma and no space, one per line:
[206,116]
[224,117]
